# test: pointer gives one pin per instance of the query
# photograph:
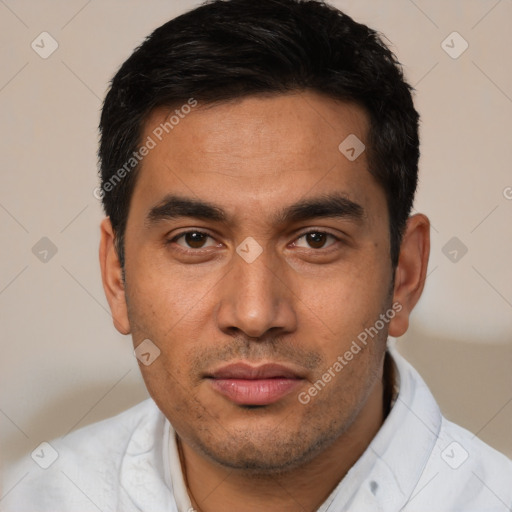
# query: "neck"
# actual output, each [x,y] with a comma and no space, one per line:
[212,487]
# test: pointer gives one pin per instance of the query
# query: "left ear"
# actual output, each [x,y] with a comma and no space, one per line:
[411,271]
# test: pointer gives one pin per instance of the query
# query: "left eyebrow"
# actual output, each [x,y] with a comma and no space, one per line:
[329,205]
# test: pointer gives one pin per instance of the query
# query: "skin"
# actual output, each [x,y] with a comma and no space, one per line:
[300,303]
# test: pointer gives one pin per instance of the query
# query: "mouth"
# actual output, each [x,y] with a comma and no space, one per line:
[248,385]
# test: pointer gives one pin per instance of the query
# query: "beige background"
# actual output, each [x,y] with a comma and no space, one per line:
[63,365]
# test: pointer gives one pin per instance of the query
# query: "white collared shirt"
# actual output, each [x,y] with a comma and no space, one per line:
[417,462]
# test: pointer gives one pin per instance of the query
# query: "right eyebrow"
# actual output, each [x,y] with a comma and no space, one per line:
[172,207]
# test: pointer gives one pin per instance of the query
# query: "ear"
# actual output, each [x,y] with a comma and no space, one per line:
[411,271]
[111,276]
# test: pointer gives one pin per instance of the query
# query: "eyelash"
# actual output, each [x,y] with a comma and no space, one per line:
[199,251]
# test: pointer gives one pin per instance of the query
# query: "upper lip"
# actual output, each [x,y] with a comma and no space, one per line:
[248,372]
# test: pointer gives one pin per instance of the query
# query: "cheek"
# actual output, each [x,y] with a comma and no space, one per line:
[349,298]
[169,310]
[167,386]
[161,298]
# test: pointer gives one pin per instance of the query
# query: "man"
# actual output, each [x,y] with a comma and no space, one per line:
[258,164]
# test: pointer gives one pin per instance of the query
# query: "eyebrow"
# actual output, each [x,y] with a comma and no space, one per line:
[327,205]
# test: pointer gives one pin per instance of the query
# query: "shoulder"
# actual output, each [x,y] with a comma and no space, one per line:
[464,473]
[80,470]
[464,448]
[455,469]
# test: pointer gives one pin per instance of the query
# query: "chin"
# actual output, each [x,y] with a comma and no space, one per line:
[263,453]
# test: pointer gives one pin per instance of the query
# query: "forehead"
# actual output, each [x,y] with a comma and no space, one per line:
[304,124]
[255,151]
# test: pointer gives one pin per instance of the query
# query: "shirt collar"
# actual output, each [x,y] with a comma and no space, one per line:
[385,476]
[175,473]
[144,473]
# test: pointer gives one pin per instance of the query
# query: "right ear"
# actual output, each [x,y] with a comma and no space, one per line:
[111,275]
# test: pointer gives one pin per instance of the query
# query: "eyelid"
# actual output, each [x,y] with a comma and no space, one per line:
[200,231]
[318,231]
[183,233]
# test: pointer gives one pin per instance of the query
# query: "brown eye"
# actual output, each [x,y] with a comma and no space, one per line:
[195,240]
[192,240]
[315,239]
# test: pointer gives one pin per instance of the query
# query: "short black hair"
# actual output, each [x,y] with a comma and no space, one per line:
[228,49]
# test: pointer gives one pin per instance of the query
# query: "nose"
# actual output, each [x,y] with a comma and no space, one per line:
[256,297]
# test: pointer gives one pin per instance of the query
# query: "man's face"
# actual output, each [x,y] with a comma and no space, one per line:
[299,304]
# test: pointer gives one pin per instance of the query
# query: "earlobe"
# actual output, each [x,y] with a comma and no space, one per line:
[111,275]
[411,271]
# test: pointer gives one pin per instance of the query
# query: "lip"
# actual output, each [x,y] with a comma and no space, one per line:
[244,384]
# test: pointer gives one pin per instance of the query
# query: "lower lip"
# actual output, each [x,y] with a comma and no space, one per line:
[255,392]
